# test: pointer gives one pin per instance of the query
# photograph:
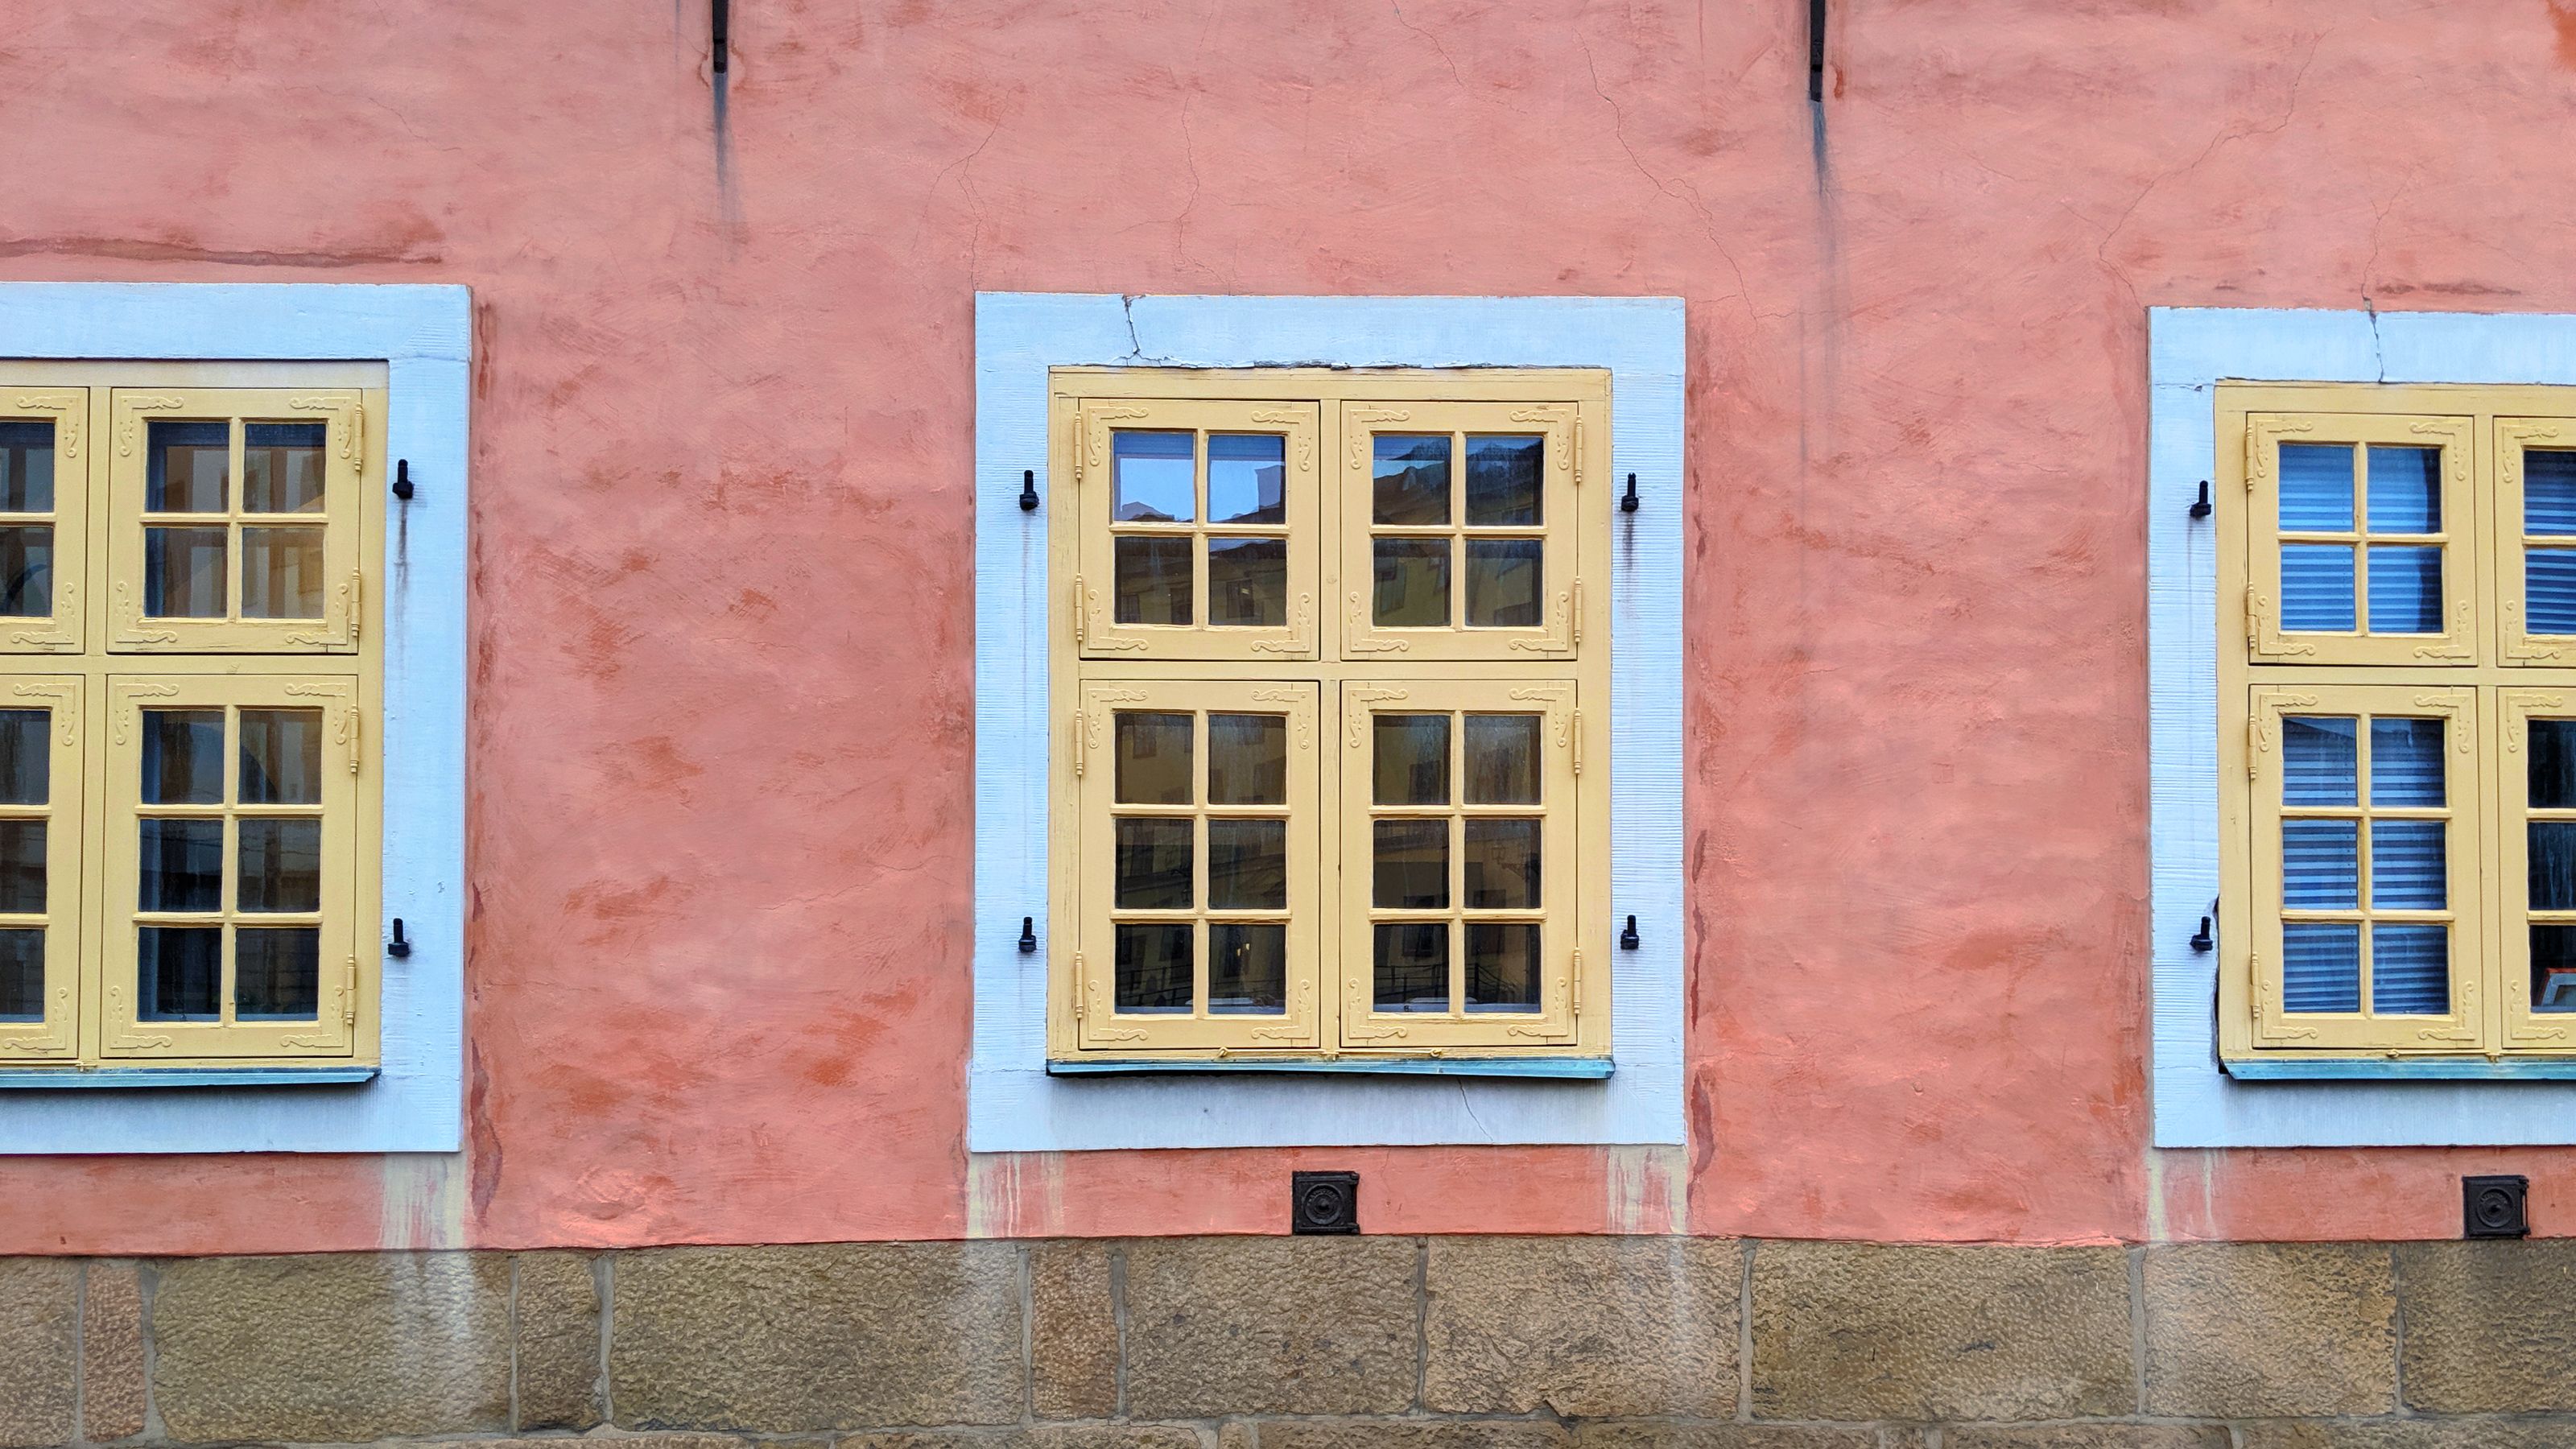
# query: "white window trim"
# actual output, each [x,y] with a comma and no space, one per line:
[2365,1103]
[1013,1104]
[414,1100]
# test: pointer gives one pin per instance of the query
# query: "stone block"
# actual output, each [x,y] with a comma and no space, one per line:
[112,1393]
[1269,1326]
[1383,1434]
[1874,1331]
[2088,1436]
[2489,1326]
[335,1347]
[558,1341]
[1591,1327]
[2465,1433]
[39,1331]
[2270,1330]
[1043,1436]
[798,1339]
[1073,1336]
[1613,1435]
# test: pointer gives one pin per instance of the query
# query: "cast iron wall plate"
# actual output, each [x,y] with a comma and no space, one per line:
[1324,1202]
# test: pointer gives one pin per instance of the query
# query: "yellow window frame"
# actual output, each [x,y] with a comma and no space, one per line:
[55,1035]
[2515,439]
[67,408]
[2267,637]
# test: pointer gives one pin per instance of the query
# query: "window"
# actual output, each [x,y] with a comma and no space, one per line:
[1290,829]
[189,855]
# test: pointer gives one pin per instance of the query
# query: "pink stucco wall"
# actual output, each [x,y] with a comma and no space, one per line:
[720,820]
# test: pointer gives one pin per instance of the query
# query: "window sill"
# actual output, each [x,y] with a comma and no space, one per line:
[2430,1069]
[1580,1068]
[73,1077]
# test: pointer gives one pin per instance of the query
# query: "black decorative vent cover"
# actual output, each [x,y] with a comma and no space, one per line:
[2493,1207]
[1324,1202]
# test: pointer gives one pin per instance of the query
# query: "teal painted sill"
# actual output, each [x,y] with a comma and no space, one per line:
[1580,1068]
[2382,1069]
[77,1077]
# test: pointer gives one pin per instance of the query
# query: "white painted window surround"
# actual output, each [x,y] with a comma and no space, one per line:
[2192,350]
[1013,1104]
[414,1103]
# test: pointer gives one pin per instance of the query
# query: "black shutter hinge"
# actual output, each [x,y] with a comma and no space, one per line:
[2201,508]
[398,948]
[1028,935]
[719,26]
[1628,500]
[1628,937]
[402,479]
[1028,490]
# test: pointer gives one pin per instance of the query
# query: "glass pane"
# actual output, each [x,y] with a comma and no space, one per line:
[1503,583]
[1411,754]
[1413,966]
[26,466]
[1151,583]
[2320,967]
[2553,968]
[27,570]
[1153,863]
[2316,587]
[185,467]
[282,467]
[277,974]
[1155,477]
[2405,490]
[2317,760]
[281,757]
[1502,865]
[2410,970]
[1247,865]
[2552,847]
[1247,759]
[1412,479]
[2553,764]
[1412,864]
[2406,865]
[1153,973]
[2320,865]
[1153,759]
[179,972]
[1247,478]
[2549,494]
[1502,759]
[1412,583]
[183,757]
[1247,970]
[281,573]
[22,974]
[183,573]
[1503,481]
[280,867]
[182,865]
[25,758]
[22,867]
[2405,590]
[1502,966]
[1248,582]
[2316,488]
[2406,762]
[2549,591]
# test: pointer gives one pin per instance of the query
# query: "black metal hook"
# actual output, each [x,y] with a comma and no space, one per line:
[1628,937]
[2204,942]
[1628,500]
[2201,508]
[1028,935]
[402,479]
[398,948]
[1028,490]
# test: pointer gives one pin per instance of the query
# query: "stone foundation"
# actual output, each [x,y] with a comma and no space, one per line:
[1314,1343]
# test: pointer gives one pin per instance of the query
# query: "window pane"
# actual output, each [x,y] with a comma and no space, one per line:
[25,758]
[2549,591]
[2407,870]
[1411,477]
[1248,582]
[26,466]
[22,867]
[2320,865]
[2410,970]
[1411,755]
[2553,865]
[2553,968]
[281,573]
[2406,762]
[2553,764]
[2316,587]
[2405,590]
[185,467]
[1153,968]
[282,467]
[1503,583]
[1247,969]
[1412,969]
[281,757]
[1155,477]
[2549,494]
[1247,759]
[2405,490]
[1247,865]
[183,573]
[1153,863]
[2318,766]
[22,974]
[277,974]
[1412,864]
[27,570]
[1502,966]
[1151,583]
[182,865]
[2316,488]
[1502,759]
[2320,967]
[1411,577]
[1502,865]
[183,756]
[1503,481]
[1247,478]
[179,972]
[1153,759]
[281,865]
